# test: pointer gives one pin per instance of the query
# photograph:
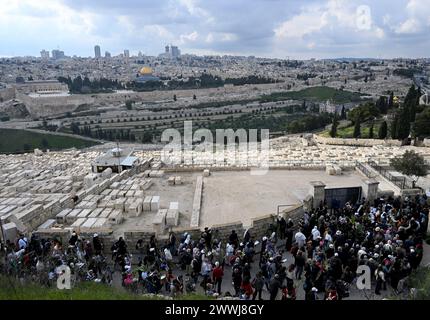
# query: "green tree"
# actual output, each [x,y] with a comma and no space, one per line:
[412,165]
[391,100]
[365,112]
[422,124]
[357,128]
[382,133]
[129,104]
[412,101]
[45,143]
[147,136]
[77,85]
[334,125]
[382,104]
[404,125]
[343,113]
[393,127]
[371,134]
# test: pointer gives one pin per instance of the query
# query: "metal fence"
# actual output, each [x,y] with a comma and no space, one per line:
[365,170]
[401,182]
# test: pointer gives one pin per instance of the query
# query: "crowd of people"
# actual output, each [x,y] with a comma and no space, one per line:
[319,254]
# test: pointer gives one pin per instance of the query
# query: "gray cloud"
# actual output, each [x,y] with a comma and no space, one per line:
[314,28]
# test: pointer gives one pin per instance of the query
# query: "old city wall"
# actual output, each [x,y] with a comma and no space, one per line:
[210,94]
[48,106]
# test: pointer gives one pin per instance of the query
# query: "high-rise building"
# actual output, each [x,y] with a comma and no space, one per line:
[171,52]
[107,54]
[57,54]
[97,52]
[126,54]
[175,52]
[44,54]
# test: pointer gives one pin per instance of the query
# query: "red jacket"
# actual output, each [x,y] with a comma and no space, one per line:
[247,288]
[218,273]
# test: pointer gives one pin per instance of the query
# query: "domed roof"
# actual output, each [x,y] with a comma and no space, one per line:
[145,71]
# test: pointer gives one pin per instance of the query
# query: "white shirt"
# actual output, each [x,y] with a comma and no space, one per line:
[315,234]
[300,239]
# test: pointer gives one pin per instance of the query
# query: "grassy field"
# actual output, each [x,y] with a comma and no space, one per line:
[348,132]
[15,141]
[11,289]
[315,94]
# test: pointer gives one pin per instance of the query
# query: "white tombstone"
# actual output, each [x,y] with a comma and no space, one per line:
[159,221]
[171,181]
[155,203]
[147,203]
[10,232]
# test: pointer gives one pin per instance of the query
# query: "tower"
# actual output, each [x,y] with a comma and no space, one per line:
[97,52]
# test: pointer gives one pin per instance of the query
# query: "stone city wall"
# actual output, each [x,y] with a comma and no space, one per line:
[48,106]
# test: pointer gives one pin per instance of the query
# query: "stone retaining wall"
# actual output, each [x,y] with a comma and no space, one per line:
[356,142]
[258,229]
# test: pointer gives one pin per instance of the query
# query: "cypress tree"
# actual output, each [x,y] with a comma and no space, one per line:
[343,113]
[357,128]
[391,100]
[334,125]
[394,125]
[404,125]
[382,133]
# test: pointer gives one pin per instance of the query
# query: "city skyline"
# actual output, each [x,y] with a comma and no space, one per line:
[264,28]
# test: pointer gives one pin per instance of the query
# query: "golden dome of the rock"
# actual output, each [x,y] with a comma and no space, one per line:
[145,71]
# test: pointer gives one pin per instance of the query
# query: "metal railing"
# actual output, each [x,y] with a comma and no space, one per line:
[365,170]
[400,182]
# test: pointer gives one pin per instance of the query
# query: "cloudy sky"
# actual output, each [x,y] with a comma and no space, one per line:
[270,28]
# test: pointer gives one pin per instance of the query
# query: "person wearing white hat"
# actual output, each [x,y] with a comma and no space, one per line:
[97,244]
[312,295]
